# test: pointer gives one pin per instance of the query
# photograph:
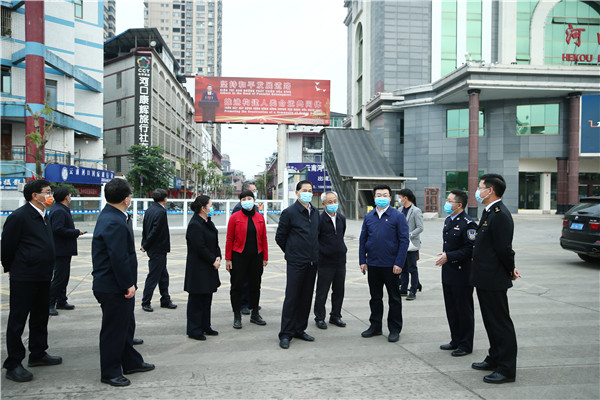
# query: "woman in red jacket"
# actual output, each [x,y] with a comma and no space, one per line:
[246,254]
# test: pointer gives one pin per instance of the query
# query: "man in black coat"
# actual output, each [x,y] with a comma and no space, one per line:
[492,272]
[114,284]
[28,257]
[65,245]
[332,262]
[298,236]
[459,235]
[156,242]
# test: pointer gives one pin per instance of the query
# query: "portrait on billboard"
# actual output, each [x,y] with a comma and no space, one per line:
[262,100]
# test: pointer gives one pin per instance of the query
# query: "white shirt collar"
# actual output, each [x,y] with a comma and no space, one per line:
[380,213]
[42,213]
[487,208]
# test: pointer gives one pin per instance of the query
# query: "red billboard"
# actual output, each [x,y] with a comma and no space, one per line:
[262,100]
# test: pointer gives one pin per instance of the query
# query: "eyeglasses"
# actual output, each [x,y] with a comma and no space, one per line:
[47,192]
[482,188]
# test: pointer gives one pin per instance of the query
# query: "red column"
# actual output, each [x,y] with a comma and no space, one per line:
[473,177]
[573,181]
[34,69]
[561,185]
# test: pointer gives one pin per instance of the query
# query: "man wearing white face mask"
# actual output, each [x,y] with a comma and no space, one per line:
[28,257]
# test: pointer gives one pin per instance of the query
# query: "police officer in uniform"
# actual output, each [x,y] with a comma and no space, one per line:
[492,272]
[459,236]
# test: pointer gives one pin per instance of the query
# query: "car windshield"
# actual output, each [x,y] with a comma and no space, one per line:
[588,208]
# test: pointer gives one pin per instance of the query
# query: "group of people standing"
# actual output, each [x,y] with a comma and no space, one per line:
[473,256]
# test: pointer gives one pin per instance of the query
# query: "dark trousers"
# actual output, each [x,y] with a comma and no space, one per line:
[300,284]
[459,311]
[245,268]
[157,275]
[330,276]
[410,268]
[500,330]
[27,299]
[116,335]
[378,277]
[60,280]
[198,313]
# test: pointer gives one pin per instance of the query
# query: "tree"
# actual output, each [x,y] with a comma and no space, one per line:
[261,184]
[199,174]
[36,137]
[149,162]
[184,166]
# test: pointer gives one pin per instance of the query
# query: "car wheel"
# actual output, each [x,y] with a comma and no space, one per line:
[589,259]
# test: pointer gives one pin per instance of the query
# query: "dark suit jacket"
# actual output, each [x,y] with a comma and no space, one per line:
[203,248]
[155,235]
[332,249]
[459,236]
[493,257]
[113,253]
[27,246]
[298,234]
[212,97]
[63,228]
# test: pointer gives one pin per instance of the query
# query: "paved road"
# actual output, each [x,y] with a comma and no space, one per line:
[555,307]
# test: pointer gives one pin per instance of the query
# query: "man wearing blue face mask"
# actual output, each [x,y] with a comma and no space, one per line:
[383,245]
[459,235]
[298,236]
[332,262]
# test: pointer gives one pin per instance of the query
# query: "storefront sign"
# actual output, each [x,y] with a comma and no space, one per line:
[143,99]
[314,173]
[177,183]
[71,174]
[573,36]
[590,125]
[10,183]
[87,191]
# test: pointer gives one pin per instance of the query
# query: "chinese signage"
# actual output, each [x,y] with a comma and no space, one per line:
[574,44]
[261,100]
[71,174]
[10,183]
[143,96]
[315,173]
[432,200]
[590,125]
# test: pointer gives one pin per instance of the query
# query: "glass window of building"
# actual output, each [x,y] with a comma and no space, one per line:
[458,180]
[524,13]
[537,119]
[200,8]
[78,8]
[51,95]
[119,108]
[474,29]
[448,60]
[6,80]
[119,80]
[457,123]
[6,22]
[118,136]
[118,164]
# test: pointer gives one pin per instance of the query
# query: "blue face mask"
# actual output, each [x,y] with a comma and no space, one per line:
[332,208]
[248,205]
[478,196]
[210,212]
[382,202]
[306,197]
[448,208]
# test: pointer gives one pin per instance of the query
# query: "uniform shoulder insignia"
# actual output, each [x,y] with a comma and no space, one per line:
[471,233]
[497,209]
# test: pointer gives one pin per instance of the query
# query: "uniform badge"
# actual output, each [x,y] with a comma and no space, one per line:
[497,209]
[471,233]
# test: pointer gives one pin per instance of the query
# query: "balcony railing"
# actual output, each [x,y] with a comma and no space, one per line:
[17,153]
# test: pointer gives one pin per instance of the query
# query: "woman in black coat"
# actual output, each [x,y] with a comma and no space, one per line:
[201,268]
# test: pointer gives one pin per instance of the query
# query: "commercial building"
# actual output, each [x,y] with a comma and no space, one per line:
[146,103]
[110,22]
[51,54]
[448,90]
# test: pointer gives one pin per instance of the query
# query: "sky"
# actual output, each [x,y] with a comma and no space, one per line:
[295,39]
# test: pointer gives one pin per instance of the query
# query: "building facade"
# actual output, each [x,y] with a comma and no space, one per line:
[52,56]
[146,103]
[110,19]
[449,90]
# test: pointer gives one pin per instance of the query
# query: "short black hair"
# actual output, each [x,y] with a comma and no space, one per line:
[117,190]
[246,193]
[159,195]
[380,187]
[246,185]
[461,197]
[304,182]
[61,193]
[199,202]
[408,194]
[496,181]
[35,186]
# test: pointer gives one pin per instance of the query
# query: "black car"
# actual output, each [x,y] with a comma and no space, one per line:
[581,230]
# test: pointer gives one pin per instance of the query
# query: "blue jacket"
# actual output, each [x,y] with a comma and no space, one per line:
[383,241]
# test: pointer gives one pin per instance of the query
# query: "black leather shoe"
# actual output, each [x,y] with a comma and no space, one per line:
[170,305]
[370,333]
[197,337]
[411,296]
[147,307]
[320,324]
[257,319]
[211,332]
[245,310]
[305,336]
[284,343]
[403,293]
[448,347]
[337,322]
[65,306]
[118,381]
[483,366]
[45,361]
[237,321]
[52,311]
[19,374]
[137,341]
[459,353]
[497,377]
[145,367]
[393,337]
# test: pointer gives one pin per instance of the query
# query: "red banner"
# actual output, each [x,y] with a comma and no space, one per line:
[256,100]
